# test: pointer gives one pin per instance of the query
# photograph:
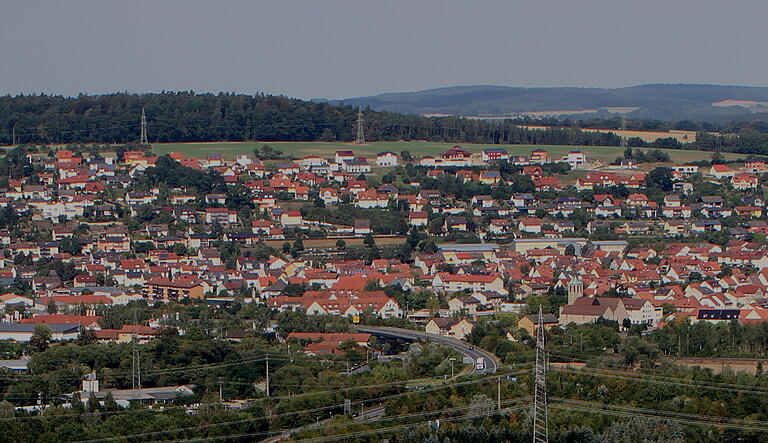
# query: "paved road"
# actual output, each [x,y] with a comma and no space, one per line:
[491,363]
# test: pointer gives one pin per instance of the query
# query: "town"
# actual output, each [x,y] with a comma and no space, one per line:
[474,234]
[399,222]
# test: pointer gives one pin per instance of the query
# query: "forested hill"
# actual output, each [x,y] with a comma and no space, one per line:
[190,117]
[656,101]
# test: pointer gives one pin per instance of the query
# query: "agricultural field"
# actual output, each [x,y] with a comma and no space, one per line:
[300,149]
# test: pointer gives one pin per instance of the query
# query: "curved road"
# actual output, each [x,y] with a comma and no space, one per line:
[491,363]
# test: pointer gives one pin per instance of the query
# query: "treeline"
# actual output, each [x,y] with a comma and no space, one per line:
[186,116]
[191,117]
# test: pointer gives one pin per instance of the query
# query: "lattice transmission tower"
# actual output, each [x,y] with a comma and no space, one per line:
[540,434]
[624,137]
[135,359]
[143,139]
[360,139]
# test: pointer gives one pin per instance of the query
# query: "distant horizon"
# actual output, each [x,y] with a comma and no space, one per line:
[285,94]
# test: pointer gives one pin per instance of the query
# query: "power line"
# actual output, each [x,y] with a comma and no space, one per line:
[434,386]
[658,380]
[304,411]
[30,377]
[732,387]
[361,433]
[660,413]
[405,426]
[693,419]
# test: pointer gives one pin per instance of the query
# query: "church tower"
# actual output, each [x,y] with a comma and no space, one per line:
[575,289]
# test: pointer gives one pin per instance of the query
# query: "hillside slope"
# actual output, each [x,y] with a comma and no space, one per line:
[658,101]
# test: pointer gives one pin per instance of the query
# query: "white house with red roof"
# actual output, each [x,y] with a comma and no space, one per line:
[386,159]
[743,181]
[447,282]
[721,171]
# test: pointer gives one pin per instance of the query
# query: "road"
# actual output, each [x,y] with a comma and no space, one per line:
[491,363]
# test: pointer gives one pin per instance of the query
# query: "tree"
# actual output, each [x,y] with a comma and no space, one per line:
[660,178]
[41,338]
[341,244]
[87,337]
[142,247]
[638,350]
[6,409]
[70,245]
[110,404]
[328,135]
[369,240]
[93,403]
[77,403]
[644,430]
[180,249]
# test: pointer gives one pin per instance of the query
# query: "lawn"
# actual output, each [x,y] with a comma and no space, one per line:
[300,149]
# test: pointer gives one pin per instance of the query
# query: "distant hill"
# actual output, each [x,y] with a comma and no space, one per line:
[653,101]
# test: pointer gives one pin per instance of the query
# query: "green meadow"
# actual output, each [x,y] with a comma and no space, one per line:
[300,149]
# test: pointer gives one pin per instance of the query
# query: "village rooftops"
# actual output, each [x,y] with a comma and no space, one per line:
[469,247]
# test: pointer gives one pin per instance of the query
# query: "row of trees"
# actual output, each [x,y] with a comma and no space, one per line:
[186,116]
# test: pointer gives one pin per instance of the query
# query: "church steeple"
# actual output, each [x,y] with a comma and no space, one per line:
[575,289]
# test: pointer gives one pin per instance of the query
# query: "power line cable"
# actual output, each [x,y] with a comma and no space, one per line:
[319,409]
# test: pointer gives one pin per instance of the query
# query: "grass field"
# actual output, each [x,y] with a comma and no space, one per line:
[300,149]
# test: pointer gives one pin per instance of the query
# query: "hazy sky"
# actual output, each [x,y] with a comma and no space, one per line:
[326,48]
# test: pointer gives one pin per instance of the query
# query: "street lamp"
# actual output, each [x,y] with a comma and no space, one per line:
[452,359]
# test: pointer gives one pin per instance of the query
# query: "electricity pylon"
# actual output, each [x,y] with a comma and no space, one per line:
[143,139]
[360,139]
[540,434]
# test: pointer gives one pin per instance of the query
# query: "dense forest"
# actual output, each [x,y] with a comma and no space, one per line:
[190,117]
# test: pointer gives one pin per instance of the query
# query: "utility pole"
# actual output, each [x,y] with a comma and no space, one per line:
[451,360]
[267,375]
[13,137]
[221,392]
[143,139]
[360,139]
[540,434]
